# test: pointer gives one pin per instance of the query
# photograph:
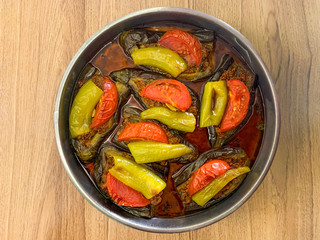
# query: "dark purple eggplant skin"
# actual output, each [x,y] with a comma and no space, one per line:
[101,167]
[86,150]
[236,157]
[138,38]
[229,69]
[132,115]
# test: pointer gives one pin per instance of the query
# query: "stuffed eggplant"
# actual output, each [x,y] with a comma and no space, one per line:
[212,177]
[233,89]
[134,187]
[94,114]
[151,140]
[176,53]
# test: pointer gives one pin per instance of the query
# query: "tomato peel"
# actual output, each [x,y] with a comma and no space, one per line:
[168,91]
[206,174]
[143,131]
[184,43]
[124,195]
[238,105]
[107,105]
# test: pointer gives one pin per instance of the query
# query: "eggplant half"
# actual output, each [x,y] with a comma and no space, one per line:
[102,166]
[131,115]
[235,157]
[141,38]
[138,80]
[87,144]
[229,69]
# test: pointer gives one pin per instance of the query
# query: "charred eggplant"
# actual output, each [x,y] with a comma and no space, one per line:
[228,71]
[136,39]
[132,116]
[133,194]
[86,144]
[234,157]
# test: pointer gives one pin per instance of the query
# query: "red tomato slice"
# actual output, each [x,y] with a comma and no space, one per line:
[168,91]
[107,105]
[124,195]
[143,131]
[187,45]
[206,173]
[237,107]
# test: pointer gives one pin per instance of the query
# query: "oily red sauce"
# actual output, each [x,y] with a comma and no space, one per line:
[199,138]
[250,136]
[170,205]
[112,58]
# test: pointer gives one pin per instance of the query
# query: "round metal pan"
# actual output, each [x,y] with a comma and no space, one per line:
[269,143]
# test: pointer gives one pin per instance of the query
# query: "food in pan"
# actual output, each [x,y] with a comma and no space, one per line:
[163,128]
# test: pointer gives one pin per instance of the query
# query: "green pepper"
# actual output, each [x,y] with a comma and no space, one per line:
[146,151]
[209,191]
[209,116]
[82,108]
[181,121]
[137,177]
[160,57]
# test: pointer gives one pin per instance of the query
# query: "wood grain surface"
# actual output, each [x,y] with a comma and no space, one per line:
[37,41]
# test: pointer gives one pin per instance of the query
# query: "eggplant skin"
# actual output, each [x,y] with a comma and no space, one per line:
[235,157]
[137,37]
[87,145]
[132,115]
[141,38]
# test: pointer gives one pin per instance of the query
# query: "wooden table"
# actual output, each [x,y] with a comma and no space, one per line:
[37,41]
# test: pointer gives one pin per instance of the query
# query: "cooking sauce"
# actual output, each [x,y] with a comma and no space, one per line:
[250,136]
[170,205]
[112,58]
[199,138]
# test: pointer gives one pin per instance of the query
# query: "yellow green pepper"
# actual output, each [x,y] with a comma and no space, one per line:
[82,108]
[218,91]
[209,191]
[160,57]
[137,177]
[181,121]
[147,151]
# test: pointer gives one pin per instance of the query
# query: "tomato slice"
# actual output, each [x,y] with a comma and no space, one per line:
[238,105]
[206,173]
[143,131]
[187,45]
[168,91]
[107,105]
[124,195]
